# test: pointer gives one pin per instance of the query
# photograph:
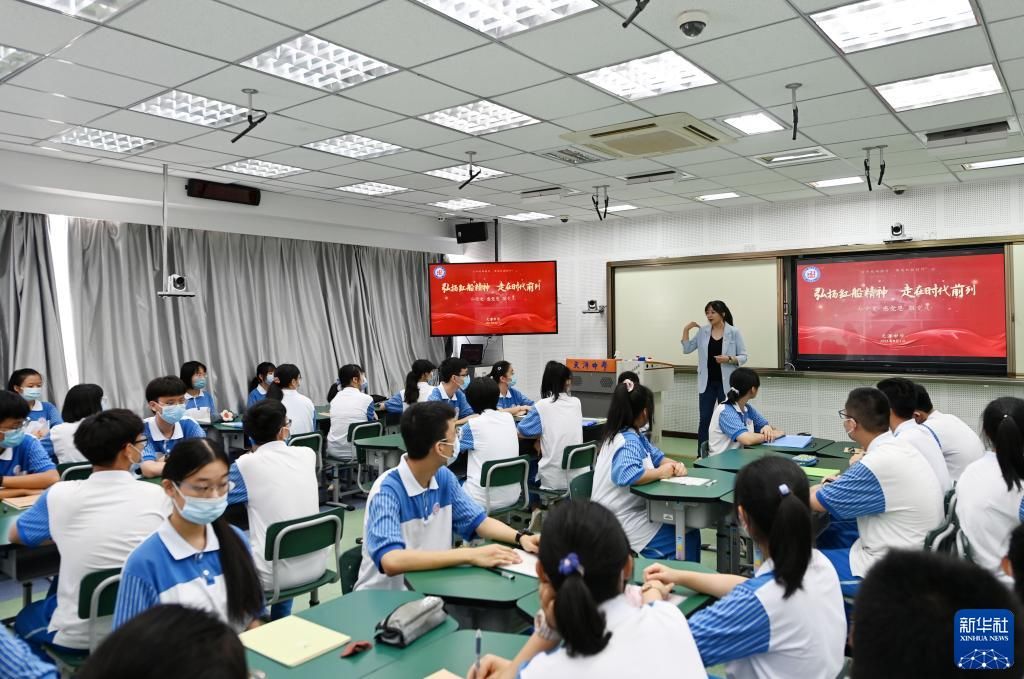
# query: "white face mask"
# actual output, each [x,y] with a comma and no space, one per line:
[456,448]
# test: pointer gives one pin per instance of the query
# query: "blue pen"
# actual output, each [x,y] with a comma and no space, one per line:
[479,645]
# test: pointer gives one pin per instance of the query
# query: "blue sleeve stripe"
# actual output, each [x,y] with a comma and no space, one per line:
[466,441]
[37,459]
[467,515]
[134,595]
[1020,511]
[371,415]
[34,524]
[394,404]
[628,463]
[18,660]
[239,493]
[531,425]
[731,423]
[856,493]
[464,408]
[759,420]
[736,627]
[383,526]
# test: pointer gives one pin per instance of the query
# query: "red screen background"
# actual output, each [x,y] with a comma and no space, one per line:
[951,306]
[493,298]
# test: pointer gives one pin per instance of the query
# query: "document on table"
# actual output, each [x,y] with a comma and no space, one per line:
[820,472]
[792,441]
[292,640]
[689,481]
[527,567]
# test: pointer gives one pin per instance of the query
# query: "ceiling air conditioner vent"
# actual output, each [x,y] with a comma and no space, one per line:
[673,133]
[649,177]
[972,134]
[573,156]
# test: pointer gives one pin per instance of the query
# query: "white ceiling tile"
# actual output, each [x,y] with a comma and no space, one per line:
[700,102]
[939,53]
[613,115]
[321,179]
[402,33]
[476,70]
[306,158]
[36,29]
[287,130]
[408,93]
[557,99]
[585,41]
[26,126]
[624,167]
[798,194]
[829,169]
[895,173]
[990,174]
[531,137]
[895,143]
[845,106]
[412,133]
[419,181]
[726,18]
[15,139]
[175,153]
[705,155]
[566,175]
[932,180]
[274,94]
[665,201]
[1013,71]
[525,162]
[302,14]
[369,172]
[850,130]
[513,184]
[80,82]
[41,105]
[51,152]
[979,110]
[996,10]
[768,143]
[203,26]
[1006,35]
[766,49]
[819,79]
[745,179]
[133,164]
[151,127]
[778,185]
[414,161]
[247,147]
[340,113]
[721,168]
[733,202]
[485,150]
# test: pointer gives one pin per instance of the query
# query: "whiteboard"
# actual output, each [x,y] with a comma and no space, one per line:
[653,303]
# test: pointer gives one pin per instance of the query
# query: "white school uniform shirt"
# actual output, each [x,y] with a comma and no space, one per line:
[279,483]
[638,455]
[723,435]
[491,436]
[63,437]
[761,635]
[560,424]
[988,513]
[652,640]
[301,411]
[960,445]
[924,442]
[349,406]
[95,523]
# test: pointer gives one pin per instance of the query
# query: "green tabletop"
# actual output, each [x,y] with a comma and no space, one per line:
[386,442]
[469,583]
[356,615]
[737,458]
[841,449]
[662,490]
[815,445]
[729,497]
[453,652]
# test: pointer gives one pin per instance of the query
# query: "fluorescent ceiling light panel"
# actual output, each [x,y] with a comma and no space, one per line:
[372,189]
[318,63]
[104,140]
[621,208]
[97,10]
[841,181]
[261,168]
[480,117]
[941,88]
[718,196]
[460,173]
[648,77]
[192,108]
[460,204]
[12,59]
[528,216]
[753,123]
[987,164]
[793,157]
[355,146]
[498,18]
[874,23]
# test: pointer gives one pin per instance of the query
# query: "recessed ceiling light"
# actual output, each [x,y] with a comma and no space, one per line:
[621,208]
[372,189]
[318,63]
[355,146]
[648,77]
[460,173]
[12,59]
[987,164]
[104,140]
[718,196]
[754,123]
[874,23]
[192,108]
[460,204]
[793,157]
[528,216]
[480,117]
[841,181]
[261,168]
[941,88]
[97,10]
[498,18]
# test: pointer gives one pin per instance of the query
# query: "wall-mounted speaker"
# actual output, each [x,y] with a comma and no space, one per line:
[229,193]
[471,232]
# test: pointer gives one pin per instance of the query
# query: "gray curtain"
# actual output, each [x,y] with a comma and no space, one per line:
[258,298]
[29,325]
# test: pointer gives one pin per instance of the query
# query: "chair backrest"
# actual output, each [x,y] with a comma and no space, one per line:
[304,535]
[364,430]
[74,471]
[97,596]
[351,560]
[703,450]
[579,456]
[508,472]
[947,536]
[314,441]
[581,486]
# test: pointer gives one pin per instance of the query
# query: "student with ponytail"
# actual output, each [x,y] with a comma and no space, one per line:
[301,411]
[788,620]
[259,384]
[511,399]
[990,492]
[195,557]
[735,423]
[417,387]
[584,564]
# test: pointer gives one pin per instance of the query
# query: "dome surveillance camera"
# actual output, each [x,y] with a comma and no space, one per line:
[899,189]
[563,218]
[692,22]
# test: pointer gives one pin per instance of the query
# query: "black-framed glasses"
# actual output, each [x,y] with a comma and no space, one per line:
[845,416]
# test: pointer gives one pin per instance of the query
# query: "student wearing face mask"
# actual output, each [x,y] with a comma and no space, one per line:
[413,509]
[417,387]
[197,396]
[43,415]
[351,405]
[301,411]
[95,523]
[195,557]
[454,376]
[510,399]
[25,468]
[168,426]
[259,385]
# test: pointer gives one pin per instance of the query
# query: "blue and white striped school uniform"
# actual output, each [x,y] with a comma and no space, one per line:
[255,396]
[458,401]
[44,415]
[513,398]
[396,405]
[203,400]
[18,660]
[157,446]
[28,457]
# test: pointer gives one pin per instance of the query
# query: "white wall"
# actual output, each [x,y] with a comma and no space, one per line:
[797,404]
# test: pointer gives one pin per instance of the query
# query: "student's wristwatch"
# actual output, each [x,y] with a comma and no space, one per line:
[519,536]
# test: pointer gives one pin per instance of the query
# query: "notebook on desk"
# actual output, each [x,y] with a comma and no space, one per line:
[792,441]
[689,481]
[527,567]
[293,640]
[22,502]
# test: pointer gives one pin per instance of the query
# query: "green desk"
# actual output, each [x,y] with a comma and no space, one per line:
[382,452]
[670,502]
[839,449]
[737,458]
[24,564]
[355,614]
[453,652]
[812,448]
[471,585]
[729,498]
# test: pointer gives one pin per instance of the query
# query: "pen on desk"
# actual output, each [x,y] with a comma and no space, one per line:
[479,644]
[504,574]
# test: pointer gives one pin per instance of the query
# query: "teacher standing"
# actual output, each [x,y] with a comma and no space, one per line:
[720,350]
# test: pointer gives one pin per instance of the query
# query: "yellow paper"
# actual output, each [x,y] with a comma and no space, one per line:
[293,640]
[443,674]
[22,502]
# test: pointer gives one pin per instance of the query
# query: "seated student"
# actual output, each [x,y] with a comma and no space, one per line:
[413,509]
[195,556]
[903,618]
[788,620]
[43,414]
[960,445]
[454,376]
[628,459]
[990,493]
[417,387]
[511,399]
[890,491]
[259,384]
[584,564]
[902,402]
[279,483]
[557,420]
[301,411]
[491,436]
[81,401]
[95,523]
[197,398]
[1013,562]
[19,661]
[197,645]
[25,468]
[168,426]
[349,406]
[735,423]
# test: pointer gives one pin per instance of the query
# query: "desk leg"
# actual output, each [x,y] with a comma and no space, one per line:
[26,593]
[680,510]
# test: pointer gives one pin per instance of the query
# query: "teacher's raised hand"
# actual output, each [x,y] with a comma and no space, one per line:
[688,327]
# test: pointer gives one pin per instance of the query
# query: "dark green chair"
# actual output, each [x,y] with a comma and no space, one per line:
[356,432]
[97,596]
[703,450]
[351,560]
[581,487]
[513,471]
[315,442]
[299,537]
[74,471]
[574,457]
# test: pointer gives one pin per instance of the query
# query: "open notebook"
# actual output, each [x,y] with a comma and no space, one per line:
[689,481]
[293,640]
[527,567]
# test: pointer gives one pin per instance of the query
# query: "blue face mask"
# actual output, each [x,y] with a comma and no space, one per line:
[172,414]
[202,510]
[512,381]
[456,448]
[269,379]
[365,386]
[32,393]
[465,382]
[199,383]
[12,439]
[104,404]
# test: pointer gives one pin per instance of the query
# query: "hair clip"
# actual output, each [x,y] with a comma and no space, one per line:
[733,390]
[629,384]
[783,490]
[570,564]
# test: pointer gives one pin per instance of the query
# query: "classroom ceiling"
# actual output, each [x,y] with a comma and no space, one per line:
[91,70]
